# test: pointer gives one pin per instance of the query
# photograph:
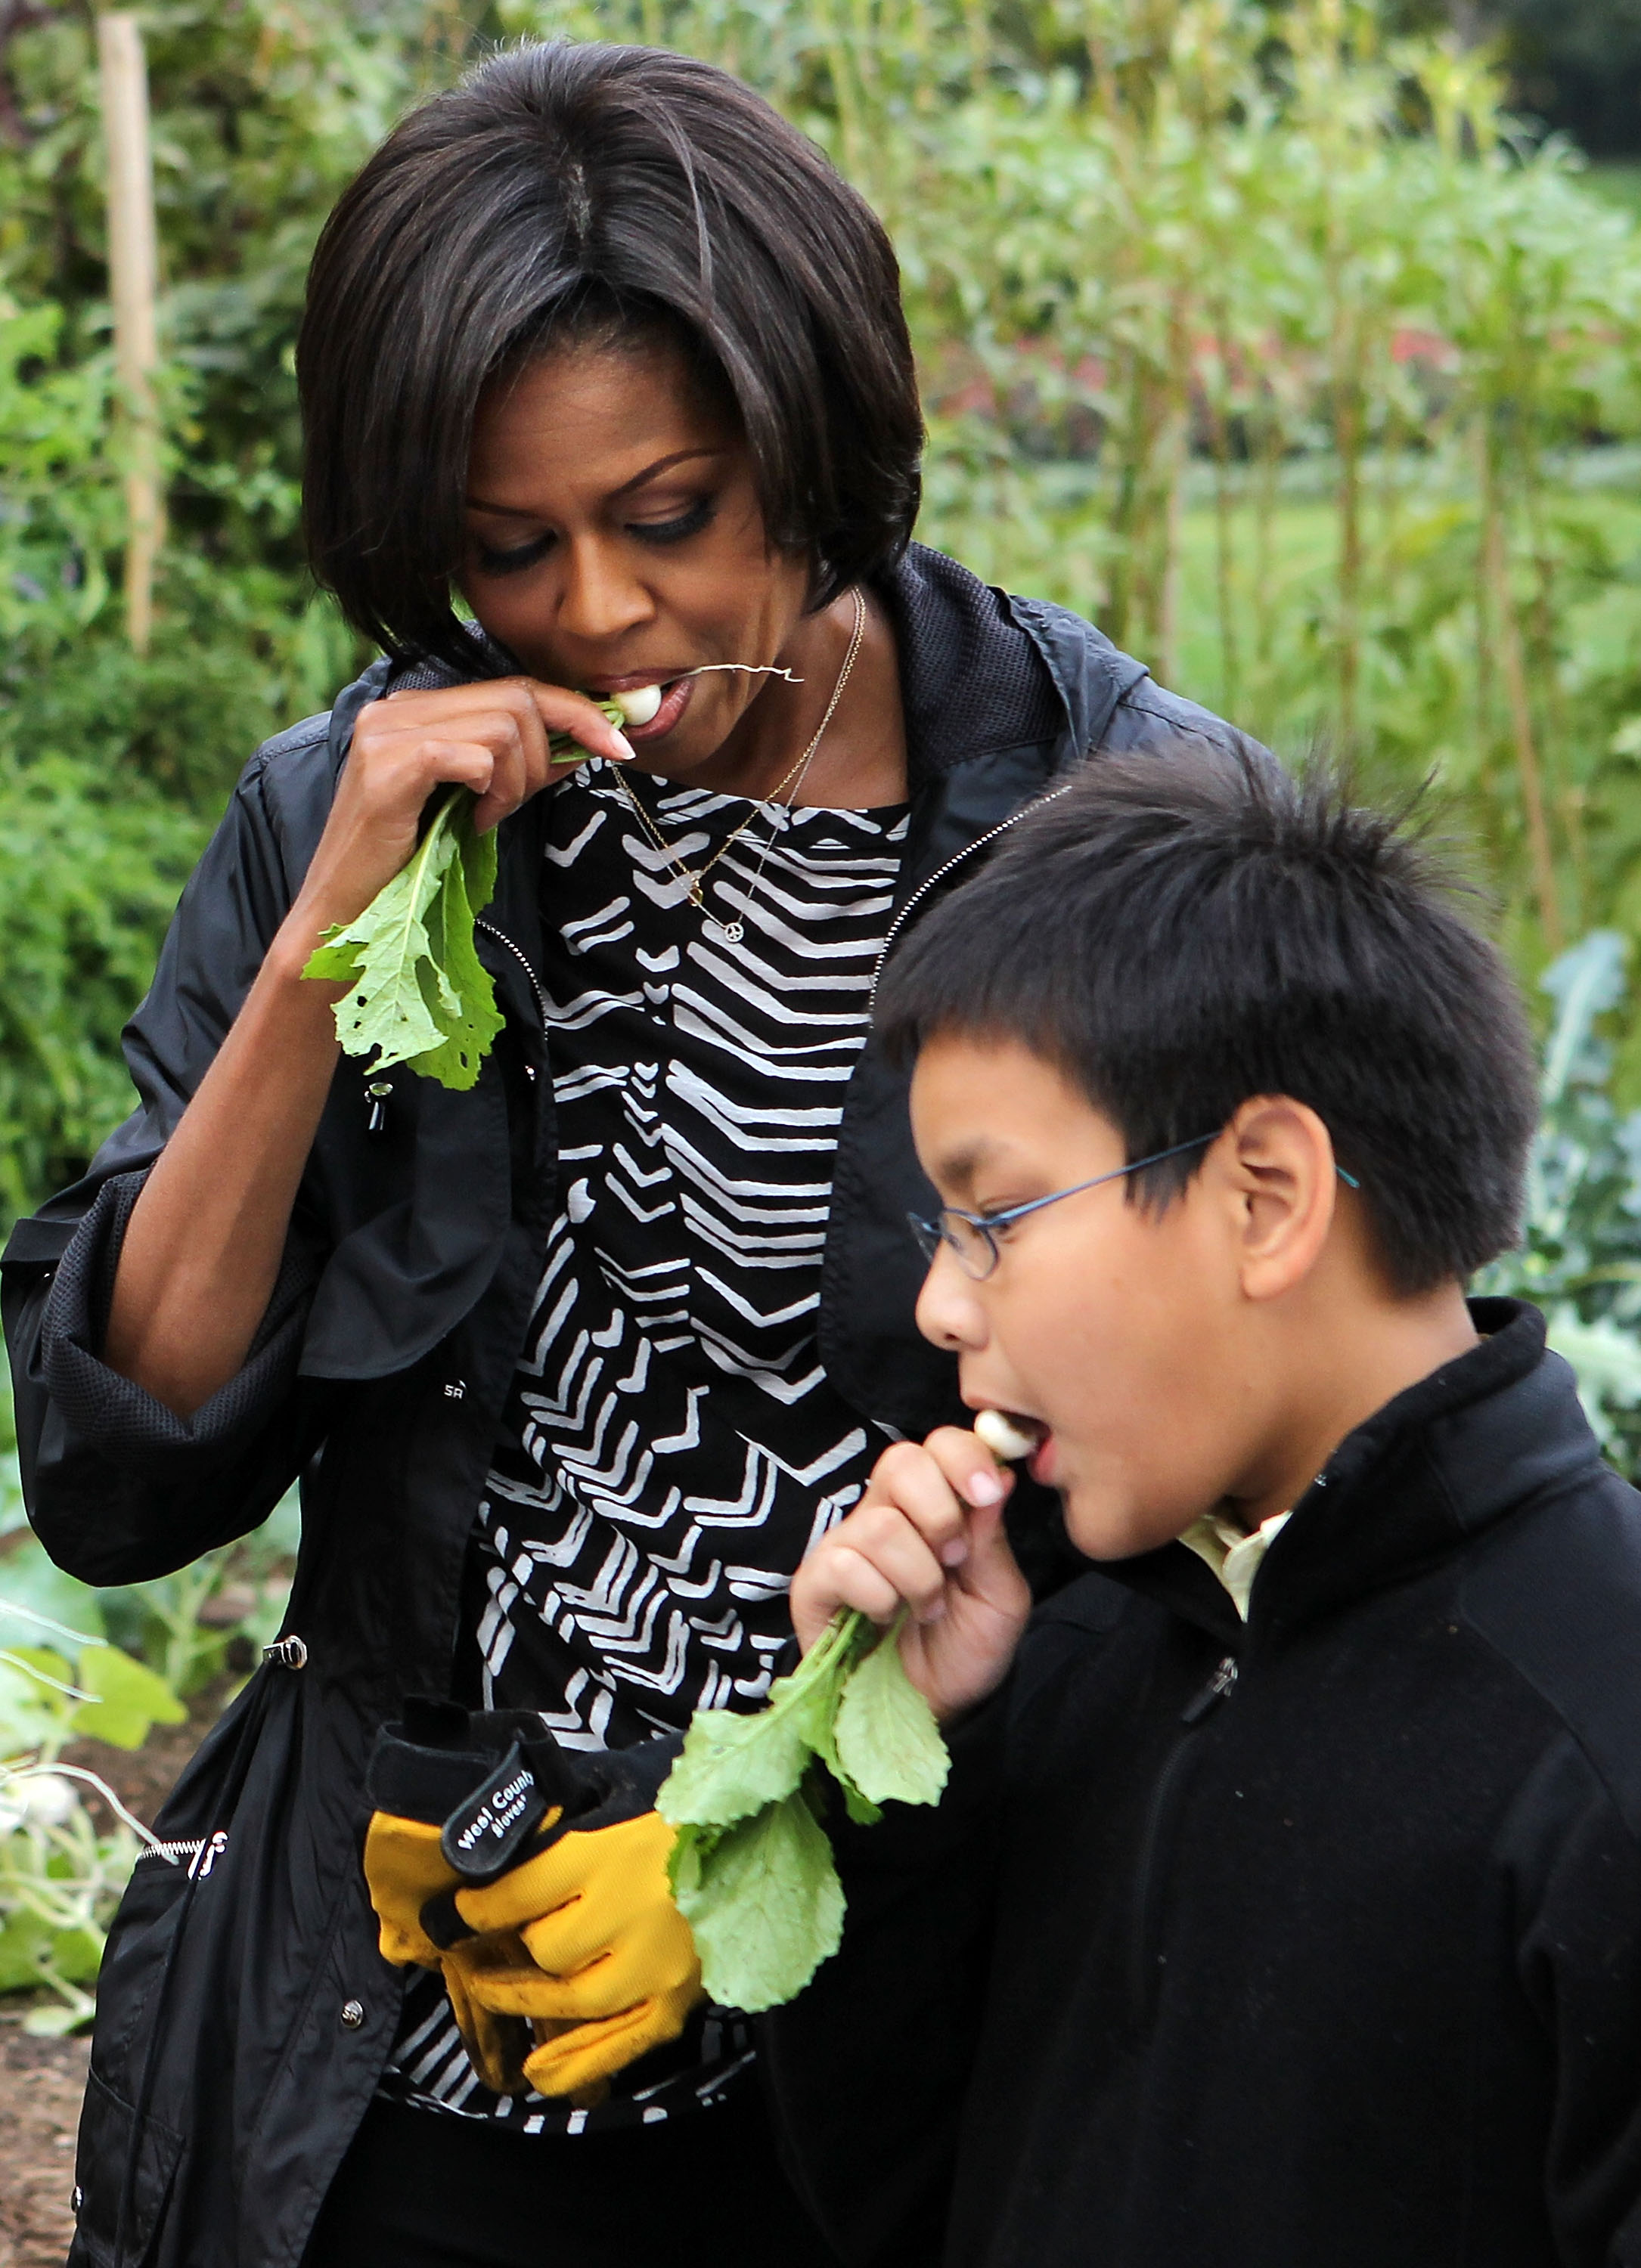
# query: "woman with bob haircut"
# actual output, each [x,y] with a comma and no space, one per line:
[572,1365]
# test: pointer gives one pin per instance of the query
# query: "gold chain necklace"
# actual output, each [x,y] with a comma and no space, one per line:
[735,931]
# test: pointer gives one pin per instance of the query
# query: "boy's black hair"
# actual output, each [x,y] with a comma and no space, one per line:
[563,190]
[1179,932]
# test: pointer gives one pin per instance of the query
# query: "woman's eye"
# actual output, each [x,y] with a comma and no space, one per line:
[510,561]
[675,531]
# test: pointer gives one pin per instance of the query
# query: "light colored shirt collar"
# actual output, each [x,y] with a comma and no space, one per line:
[1236,1558]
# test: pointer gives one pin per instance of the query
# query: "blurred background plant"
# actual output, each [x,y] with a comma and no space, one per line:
[1268,334]
[1279,338]
[1580,1260]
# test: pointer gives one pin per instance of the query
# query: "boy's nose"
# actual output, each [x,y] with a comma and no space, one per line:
[948,1313]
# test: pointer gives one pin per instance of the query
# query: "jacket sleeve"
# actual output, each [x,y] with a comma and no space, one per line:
[1572,1871]
[1147,720]
[869,2066]
[118,1488]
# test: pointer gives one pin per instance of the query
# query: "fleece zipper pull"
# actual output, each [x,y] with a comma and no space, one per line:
[1218,1685]
[1142,1962]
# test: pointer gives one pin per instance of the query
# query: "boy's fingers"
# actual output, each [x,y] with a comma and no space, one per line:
[853,1581]
[913,1480]
[973,1475]
[993,1572]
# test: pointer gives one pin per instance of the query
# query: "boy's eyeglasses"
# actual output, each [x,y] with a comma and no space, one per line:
[971,1237]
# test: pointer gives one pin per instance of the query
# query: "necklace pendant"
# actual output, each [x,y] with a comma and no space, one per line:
[733,930]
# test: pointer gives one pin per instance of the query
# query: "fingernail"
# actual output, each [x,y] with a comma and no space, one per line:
[623,746]
[985,1488]
[954,1554]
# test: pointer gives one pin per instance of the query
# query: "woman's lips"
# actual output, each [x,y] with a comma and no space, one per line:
[674,701]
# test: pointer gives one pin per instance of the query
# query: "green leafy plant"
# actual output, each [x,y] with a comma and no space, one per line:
[419,993]
[753,1868]
[61,1875]
[1581,1258]
[1270,341]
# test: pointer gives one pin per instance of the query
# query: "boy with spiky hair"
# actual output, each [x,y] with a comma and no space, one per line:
[1284,1910]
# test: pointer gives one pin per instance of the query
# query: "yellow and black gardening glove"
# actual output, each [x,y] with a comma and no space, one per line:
[439,1762]
[611,1969]
[541,1893]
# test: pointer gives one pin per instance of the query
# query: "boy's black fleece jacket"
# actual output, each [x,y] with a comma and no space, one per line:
[1314,1944]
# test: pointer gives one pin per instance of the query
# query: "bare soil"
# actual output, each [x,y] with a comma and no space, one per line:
[41,2085]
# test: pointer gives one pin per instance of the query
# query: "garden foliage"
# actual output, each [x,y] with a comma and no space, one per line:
[1266,339]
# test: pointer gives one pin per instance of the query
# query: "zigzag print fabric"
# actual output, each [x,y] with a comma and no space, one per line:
[672,1445]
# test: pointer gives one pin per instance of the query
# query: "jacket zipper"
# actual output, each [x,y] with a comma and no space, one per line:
[201,1851]
[940,873]
[523,959]
[1141,1967]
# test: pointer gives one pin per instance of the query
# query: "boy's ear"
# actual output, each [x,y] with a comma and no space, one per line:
[1280,1160]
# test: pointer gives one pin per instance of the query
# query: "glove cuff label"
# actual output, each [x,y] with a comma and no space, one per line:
[485,1833]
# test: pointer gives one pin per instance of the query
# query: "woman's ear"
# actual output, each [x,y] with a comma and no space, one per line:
[1280,1159]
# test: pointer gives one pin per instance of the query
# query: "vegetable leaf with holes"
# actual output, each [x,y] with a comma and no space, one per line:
[418,993]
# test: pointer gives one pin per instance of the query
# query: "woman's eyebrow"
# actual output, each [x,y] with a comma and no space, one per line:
[649,473]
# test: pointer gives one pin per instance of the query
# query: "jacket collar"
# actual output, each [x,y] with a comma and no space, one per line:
[1487,1433]
[983,673]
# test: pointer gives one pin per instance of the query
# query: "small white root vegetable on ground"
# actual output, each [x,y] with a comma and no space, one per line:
[1002,1436]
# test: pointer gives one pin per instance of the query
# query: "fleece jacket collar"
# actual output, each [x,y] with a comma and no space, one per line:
[1498,1428]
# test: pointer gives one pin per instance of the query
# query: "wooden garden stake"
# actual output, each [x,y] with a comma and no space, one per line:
[133,280]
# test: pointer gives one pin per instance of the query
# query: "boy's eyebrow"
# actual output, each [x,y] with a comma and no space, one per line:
[650,472]
[956,1170]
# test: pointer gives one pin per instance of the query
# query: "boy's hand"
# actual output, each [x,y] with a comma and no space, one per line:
[927,1535]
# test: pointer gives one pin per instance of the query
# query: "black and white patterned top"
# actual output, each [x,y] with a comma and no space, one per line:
[672,1444]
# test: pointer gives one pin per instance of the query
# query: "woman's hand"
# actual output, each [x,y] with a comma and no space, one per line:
[927,1535]
[203,1248]
[491,737]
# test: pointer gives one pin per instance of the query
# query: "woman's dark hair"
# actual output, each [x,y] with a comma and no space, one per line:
[566,190]
[1179,932]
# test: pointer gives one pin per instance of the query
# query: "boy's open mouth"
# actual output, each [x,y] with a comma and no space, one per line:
[1010,1435]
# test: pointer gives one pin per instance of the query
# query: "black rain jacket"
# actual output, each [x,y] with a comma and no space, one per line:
[244,2012]
[1310,1944]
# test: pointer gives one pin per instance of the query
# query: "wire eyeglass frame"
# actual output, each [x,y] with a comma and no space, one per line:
[978,1252]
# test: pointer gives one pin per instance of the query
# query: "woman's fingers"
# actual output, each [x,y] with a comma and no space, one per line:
[408,728]
[562,711]
[493,737]
[517,717]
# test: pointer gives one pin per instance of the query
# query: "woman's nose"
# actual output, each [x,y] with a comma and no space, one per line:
[602,598]
[948,1312]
